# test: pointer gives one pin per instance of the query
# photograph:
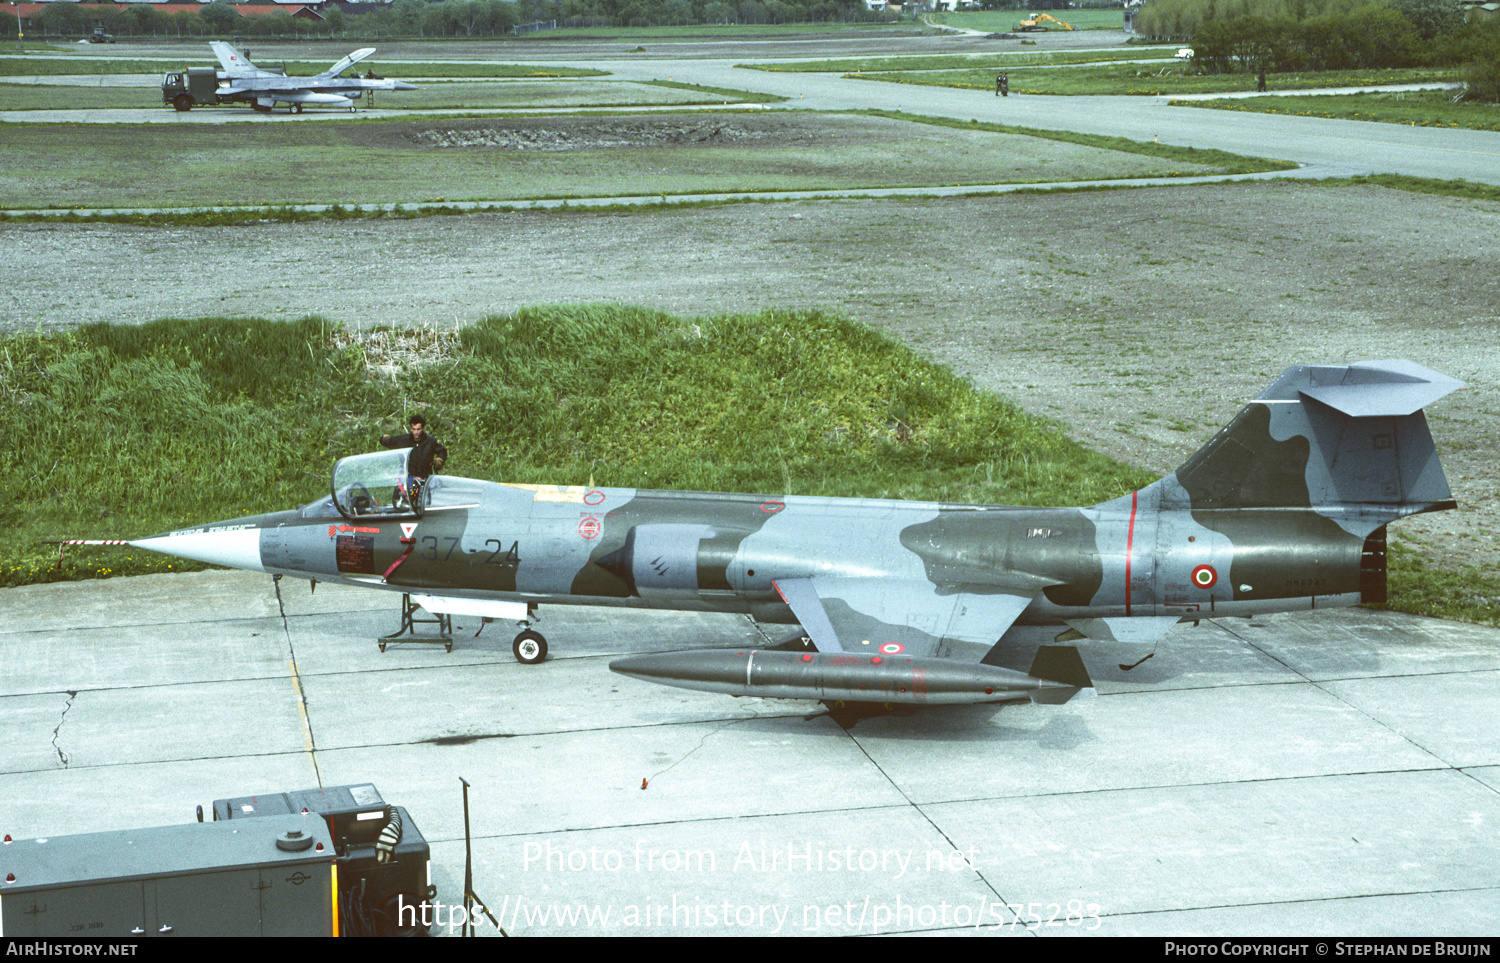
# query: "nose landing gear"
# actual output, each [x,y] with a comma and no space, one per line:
[529,648]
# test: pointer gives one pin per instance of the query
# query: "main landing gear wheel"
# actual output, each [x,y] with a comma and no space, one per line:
[296,108]
[529,648]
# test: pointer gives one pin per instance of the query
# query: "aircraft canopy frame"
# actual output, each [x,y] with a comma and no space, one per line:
[378,483]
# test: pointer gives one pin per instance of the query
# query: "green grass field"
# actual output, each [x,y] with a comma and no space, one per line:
[731,31]
[1007,59]
[371,162]
[1151,79]
[52,97]
[1416,108]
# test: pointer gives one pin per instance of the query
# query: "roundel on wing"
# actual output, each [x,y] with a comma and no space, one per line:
[1204,576]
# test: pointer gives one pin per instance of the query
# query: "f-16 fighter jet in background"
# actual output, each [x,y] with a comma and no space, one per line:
[910,602]
[265,88]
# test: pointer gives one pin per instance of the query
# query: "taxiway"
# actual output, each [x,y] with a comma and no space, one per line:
[1329,773]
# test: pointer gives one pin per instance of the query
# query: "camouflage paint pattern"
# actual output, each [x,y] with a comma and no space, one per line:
[1283,509]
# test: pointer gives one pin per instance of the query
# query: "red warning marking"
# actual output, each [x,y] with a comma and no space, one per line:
[361,529]
[397,563]
[1204,576]
[593,497]
[772,507]
[893,648]
[589,528]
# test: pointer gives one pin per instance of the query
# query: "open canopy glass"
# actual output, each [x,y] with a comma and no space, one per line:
[377,484]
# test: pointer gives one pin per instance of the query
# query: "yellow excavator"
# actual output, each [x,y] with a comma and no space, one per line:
[1034,22]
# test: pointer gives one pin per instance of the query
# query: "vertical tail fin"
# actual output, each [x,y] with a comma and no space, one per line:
[234,62]
[1350,438]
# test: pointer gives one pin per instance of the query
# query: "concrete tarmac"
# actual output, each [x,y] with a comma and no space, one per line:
[1318,774]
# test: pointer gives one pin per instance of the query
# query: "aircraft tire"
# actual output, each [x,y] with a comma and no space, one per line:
[183,102]
[296,108]
[529,648]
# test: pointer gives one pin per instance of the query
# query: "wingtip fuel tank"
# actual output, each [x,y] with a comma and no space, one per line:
[850,677]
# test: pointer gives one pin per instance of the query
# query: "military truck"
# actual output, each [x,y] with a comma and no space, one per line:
[192,87]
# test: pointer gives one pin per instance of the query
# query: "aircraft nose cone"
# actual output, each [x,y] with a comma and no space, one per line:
[233,544]
[402,85]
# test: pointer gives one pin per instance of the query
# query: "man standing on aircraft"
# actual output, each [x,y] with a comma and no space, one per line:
[430,455]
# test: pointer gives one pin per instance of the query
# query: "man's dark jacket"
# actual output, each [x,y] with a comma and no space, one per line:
[419,463]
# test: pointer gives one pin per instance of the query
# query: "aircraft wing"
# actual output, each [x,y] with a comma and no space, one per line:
[348,61]
[899,616]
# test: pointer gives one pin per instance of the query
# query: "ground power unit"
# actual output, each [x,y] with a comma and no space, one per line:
[383,862]
[273,877]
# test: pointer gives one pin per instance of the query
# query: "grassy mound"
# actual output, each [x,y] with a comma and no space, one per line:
[130,430]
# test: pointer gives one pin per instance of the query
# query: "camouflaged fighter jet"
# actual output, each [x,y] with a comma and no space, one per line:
[265,88]
[910,602]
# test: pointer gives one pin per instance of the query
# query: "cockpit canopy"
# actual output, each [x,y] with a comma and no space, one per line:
[378,484]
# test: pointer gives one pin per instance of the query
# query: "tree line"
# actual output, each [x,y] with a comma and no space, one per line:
[422,18]
[1276,36]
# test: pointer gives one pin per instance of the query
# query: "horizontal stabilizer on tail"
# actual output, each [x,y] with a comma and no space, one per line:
[1372,389]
